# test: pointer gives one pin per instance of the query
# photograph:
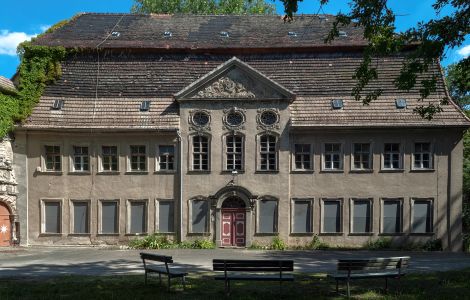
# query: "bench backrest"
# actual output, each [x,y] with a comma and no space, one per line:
[155,257]
[253,265]
[373,264]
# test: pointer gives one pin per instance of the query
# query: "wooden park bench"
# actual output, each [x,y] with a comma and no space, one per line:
[253,270]
[162,268]
[352,269]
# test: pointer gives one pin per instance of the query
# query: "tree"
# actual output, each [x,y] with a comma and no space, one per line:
[458,83]
[250,7]
[429,40]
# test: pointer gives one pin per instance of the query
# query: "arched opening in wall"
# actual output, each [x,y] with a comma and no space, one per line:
[233,222]
[5,226]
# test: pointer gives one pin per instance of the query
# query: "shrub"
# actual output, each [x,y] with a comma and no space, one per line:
[378,244]
[203,244]
[466,242]
[433,245]
[278,244]
[158,241]
[256,246]
[316,244]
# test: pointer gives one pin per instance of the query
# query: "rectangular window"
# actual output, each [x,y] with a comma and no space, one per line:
[361,156]
[302,157]
[138,158]
[109,217]
[268,153]
[199,216]
[422,216]
[166,216]
[422,158]
[333,157]
[109,158]
[80,159]
[302,216]
[392,216]
[52,158]
[267,222]
[332,216]
[138,217]
[80,217]
[234,152]
[52,217]
[166,157]
[362,216]
[392,156]
[200,153]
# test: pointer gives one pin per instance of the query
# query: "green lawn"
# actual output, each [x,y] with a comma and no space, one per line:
[439,285]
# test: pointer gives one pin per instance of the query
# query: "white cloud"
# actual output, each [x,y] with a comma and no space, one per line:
[10,40]
[44,27]
[465,51]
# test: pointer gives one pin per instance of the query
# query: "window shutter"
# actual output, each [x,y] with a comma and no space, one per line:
[52,217]
[166,216]
[109,218]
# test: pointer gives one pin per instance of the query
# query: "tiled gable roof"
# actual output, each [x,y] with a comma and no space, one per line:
[6,85]
[192,32]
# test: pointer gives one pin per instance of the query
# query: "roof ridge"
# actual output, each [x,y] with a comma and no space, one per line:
[196,15]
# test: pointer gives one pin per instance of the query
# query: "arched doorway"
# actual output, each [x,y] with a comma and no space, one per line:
[233,222]
[5,226]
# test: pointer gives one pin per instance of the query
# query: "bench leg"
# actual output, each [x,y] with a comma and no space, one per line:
[183,281]
[386,284]
[160,277]
[349,292]
[227,288]
[145,277]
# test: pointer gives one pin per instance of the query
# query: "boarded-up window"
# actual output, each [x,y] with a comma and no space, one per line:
[166,216]
[361,216]
[52,217]
[138,217]
[200,209]
[267,216]
[391,216]
[109,217]
[331,216]
[80,217]
[302,218]
[422,216]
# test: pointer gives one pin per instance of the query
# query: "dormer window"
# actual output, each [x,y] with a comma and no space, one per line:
[167,34]
[224,34]
[400,103]
[58,104]
[145,105]
[337,103]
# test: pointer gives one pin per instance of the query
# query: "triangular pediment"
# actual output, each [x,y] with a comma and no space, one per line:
[234,79]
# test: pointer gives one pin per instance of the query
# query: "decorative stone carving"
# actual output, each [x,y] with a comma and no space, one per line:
[199,120]
[268,119]
[236,84]
[8,189]
[234,119]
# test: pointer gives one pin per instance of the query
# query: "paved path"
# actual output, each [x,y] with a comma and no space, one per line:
[51,261]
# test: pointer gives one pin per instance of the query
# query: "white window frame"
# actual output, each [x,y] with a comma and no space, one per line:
[157,214]
[157,158]
[225,156]
[190,216]
[370,159]
[293,157]
[400,156]
[129,157]
[128,216]
[258,152]
[341,155]
[100,216]
[72,215]
[43,157]
[412,210]
[276,225]
[100,158]
[191,153]
[382,202]
[292,214]
[72,158]
[431,156]
[43,201]
[351,215]
[322,215]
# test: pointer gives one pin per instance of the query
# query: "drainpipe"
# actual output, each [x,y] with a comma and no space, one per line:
[180,158]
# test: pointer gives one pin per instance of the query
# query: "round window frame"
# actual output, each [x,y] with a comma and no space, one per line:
[202,112]
[237,113]
[269,111]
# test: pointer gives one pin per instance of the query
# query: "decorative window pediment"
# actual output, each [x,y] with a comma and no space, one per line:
[234,80]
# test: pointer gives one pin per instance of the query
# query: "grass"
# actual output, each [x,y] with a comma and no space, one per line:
[436,285]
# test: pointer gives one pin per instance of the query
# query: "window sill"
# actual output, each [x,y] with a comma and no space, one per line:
[79,234]
[361,234]
[422,170]
[365,171]
[79,173]
[301,233]
[108,173]
[199,172]
[229,172]
[331,234]
[391,233]
[50,234]
[199,234]
[266,171]
[165,172]
[422,233]
[392,171]
[107,234]
[332,171]
[55,173]
[302,171]
[167,233]
[137,234]
[136,172]
[266,233]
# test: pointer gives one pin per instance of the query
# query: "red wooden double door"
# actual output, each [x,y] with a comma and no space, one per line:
[5,226]
[233,227]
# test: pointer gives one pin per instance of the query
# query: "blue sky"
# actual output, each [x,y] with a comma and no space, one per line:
[21,20]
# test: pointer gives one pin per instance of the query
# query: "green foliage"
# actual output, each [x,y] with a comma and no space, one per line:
[316,244]
[379,244]
[278,244]
[458,82]
[238,7]
[433,245]
[159,241]
[39,66]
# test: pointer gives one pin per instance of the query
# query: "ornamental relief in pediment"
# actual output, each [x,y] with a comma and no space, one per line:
[236,84]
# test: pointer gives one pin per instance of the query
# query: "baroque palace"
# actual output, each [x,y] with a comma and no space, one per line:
[230,128]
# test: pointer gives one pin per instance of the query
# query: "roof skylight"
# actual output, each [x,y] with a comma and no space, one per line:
[167,34]
[400,103]
[342,33]
[224,34]
[145,105]
[115,34]
[58,104]
[337,103]
[292,34]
